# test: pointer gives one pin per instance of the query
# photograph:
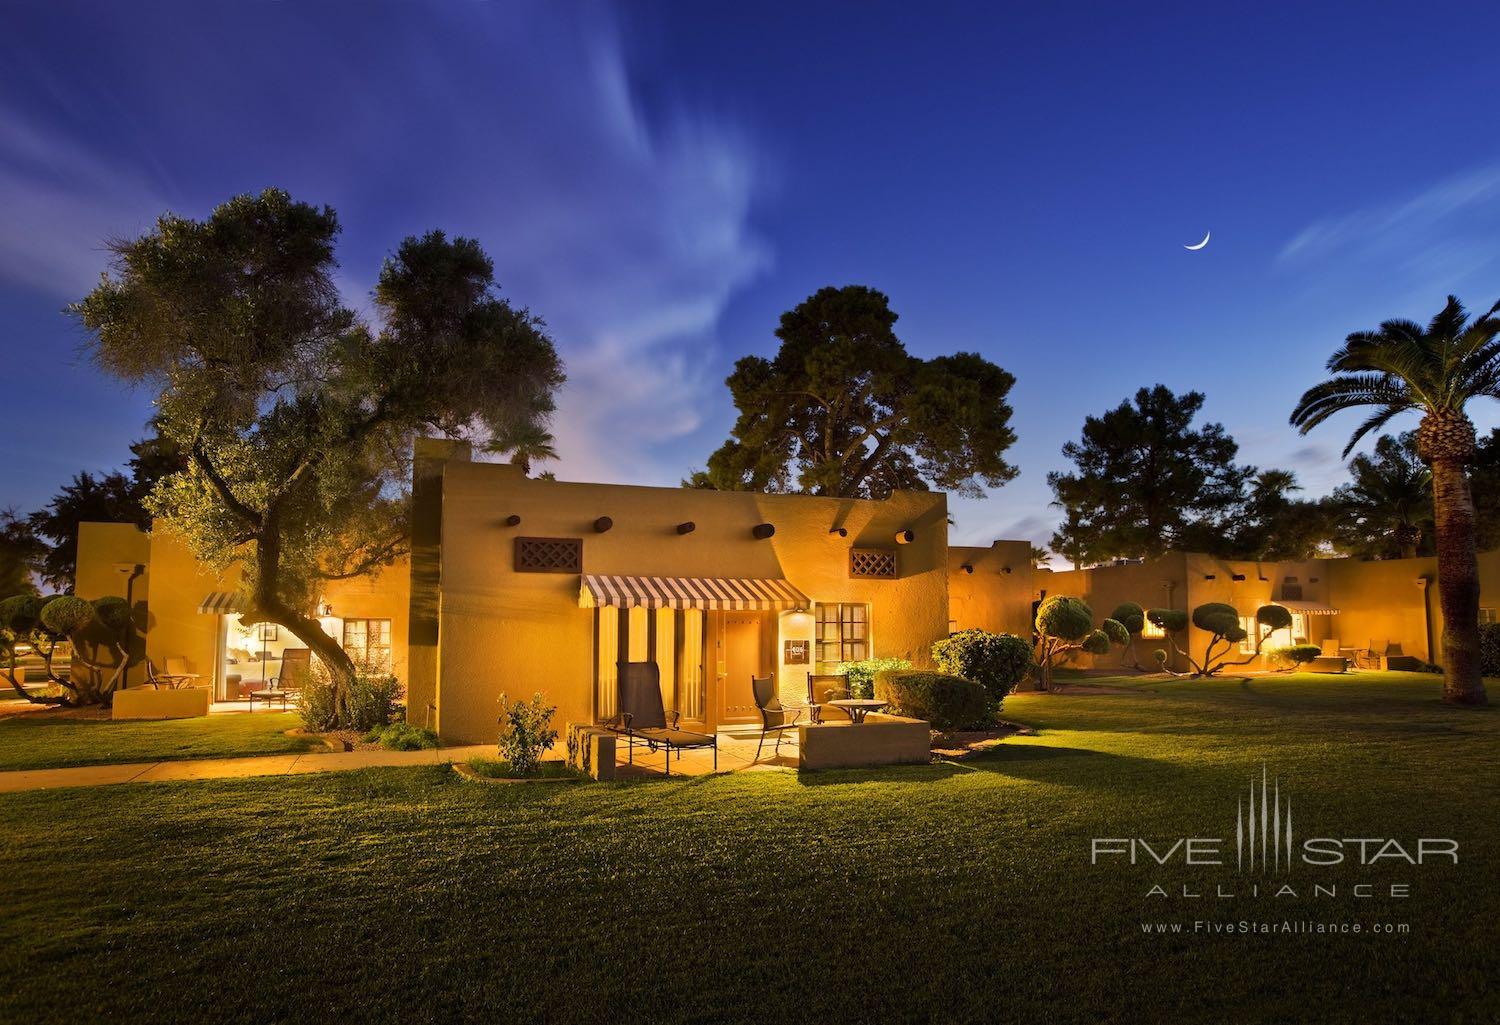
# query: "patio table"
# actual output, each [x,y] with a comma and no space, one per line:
[858,708]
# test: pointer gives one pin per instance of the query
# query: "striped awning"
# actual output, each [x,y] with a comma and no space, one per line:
[1307,608]
[222,603]
[724,593]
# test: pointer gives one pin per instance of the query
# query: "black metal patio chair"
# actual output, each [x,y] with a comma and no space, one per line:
[643,719]
[774,718]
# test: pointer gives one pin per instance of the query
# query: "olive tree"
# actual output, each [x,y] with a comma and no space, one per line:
[297,414]
[1065,625]
[1222,624]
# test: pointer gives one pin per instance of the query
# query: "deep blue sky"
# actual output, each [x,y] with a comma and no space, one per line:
[661,180]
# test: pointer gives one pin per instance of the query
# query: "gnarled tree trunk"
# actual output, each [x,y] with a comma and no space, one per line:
[1458,583]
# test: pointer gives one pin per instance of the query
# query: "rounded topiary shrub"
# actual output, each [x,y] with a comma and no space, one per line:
[113,612]
[1172,621]
[1217,618]
[1129,615]
[1116,631]
[67,614]
[20,614]
[1065,617]
[995,661]
[1489,648]
[946,701]
[1296,655]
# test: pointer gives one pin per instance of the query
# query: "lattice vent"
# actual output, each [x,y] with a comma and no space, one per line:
[549,555]
[872,562]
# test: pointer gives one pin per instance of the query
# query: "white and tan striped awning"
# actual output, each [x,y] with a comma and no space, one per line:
[1307,608]
[222,603]
[725,593]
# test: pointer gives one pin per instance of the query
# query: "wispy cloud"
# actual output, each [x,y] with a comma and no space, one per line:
[1443,229]
[621,218]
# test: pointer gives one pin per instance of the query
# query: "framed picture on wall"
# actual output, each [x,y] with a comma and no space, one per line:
[267,632]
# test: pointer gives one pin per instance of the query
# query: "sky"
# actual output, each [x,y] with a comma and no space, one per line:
[660,181]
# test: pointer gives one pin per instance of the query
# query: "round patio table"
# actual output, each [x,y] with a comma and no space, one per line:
[858,708]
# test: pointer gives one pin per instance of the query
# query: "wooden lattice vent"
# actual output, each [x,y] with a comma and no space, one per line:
[549,555]
[872,562]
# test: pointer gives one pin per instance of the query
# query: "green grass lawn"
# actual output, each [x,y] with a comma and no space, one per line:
[950,893]
[40,742]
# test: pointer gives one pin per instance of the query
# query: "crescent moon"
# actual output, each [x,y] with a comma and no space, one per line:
[1200,245]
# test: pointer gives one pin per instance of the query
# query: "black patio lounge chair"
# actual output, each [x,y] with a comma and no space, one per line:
[774,718]
[642,718]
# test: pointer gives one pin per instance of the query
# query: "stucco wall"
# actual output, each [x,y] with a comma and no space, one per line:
[519,633]
[997,595]
[107,553]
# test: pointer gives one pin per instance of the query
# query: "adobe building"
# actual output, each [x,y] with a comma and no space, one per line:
[518,585]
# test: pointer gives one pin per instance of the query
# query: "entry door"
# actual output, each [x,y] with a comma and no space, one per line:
[743,642]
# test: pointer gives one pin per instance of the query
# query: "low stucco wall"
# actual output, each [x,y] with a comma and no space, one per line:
[148,703]
[879,740]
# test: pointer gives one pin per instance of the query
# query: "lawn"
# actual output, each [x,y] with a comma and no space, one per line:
[949,893]
[33,741]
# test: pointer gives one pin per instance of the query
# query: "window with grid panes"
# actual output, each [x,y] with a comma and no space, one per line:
[843,633]
[368,642]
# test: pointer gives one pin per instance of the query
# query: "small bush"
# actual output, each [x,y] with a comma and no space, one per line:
[67,614]
[1131,616]
[947,702]
[1172,621]
[1296,655]
[995,661]
[526,733]
[374,700]
[1489,648]
[1064,617]
[315,702]
[113,612]
[862,674]
[402,736]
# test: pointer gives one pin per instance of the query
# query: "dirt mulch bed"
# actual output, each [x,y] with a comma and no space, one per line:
[19,707]
[340,740]
[966,743]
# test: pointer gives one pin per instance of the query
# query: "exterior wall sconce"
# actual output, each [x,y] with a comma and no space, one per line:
[905,537]
[325,610]
[686,527]
[1237,576]
[967,567]
[1210,576]
[602,524]
[512,520]
[1005,570]
[840,531]
[763,531]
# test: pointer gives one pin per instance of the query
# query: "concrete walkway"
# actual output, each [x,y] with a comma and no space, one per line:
[231,768]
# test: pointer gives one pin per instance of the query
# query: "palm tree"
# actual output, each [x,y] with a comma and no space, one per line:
[1435,371]
[524,443]
[1391,491]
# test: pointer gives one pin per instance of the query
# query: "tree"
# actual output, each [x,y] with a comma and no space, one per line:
[20,554]
[110,498]
[525,443]
[1484,483]
[1065,625]
[1143,476]
[296,415]
[844,410]
[1268,523]
[1222,624]
[1132,618]
[44,623]
[1434,370]
[1388,502]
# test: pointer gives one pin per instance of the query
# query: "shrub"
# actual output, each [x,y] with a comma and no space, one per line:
[1296,655]
[19,615]
[1489,648]
[67,614]
[995,661]
[862,674]
[374,700]
[526,733]
[402,736]
[315,702]
[1218,618]
[1172,621]
[947,702]
[1065,618]
[1131,616]
[113,612]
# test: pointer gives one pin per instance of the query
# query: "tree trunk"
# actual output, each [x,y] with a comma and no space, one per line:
[1458,583]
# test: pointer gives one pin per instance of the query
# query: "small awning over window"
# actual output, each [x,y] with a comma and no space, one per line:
[222,603]
[724,593]
[1307,608]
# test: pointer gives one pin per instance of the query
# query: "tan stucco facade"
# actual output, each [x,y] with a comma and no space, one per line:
[519,633]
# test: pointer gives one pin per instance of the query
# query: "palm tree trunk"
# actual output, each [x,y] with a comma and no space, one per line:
[1458,583]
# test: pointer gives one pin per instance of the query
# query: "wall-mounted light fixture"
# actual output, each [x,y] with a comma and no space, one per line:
[967,567]
[602,524]
[325,610]
[840,531]
[1236,576]
[1210,576]
[763,531]
[1005,570]
[686,527]
[905,537]
[512,520]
